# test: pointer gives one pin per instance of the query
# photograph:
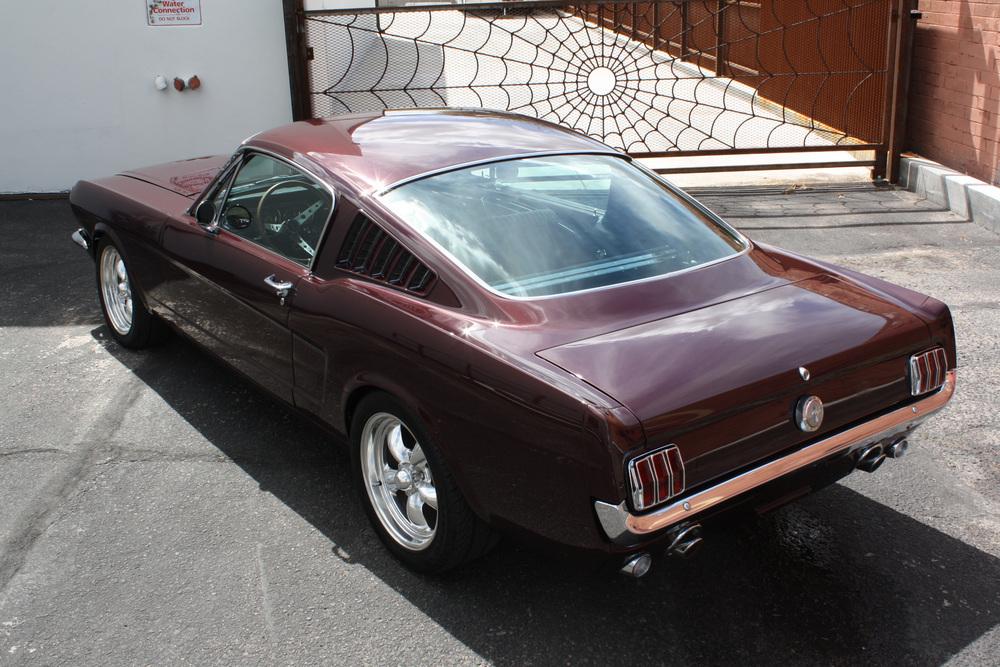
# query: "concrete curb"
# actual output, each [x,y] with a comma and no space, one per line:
[966,196]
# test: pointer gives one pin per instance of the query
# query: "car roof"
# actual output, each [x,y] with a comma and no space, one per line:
[371,151]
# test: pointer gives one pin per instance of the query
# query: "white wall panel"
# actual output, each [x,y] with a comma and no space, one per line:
[77,98]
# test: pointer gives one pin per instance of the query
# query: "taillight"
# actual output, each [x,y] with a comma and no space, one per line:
[656,477]
[927,371]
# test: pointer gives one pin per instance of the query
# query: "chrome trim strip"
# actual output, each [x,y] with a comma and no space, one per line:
[491,160]
[622,527]
[710,214]
[80,238]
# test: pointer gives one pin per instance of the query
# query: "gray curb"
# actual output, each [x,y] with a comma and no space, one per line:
[966,196]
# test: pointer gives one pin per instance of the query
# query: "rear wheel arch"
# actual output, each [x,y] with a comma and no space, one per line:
[459,534]
[353,398]
[369,386]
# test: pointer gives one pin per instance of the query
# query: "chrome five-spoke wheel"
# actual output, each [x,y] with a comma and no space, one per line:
[399,481]
[116,291]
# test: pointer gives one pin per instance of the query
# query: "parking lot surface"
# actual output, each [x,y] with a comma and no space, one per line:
[157,509]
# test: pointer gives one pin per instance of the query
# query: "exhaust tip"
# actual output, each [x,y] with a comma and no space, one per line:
[871,458]
[688,548]
[898,449]
[686,541]
[638,565]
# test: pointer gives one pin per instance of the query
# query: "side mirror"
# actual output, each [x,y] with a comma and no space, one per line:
[205,212]
[237,217]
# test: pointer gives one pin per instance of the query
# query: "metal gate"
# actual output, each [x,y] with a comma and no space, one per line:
[656,79]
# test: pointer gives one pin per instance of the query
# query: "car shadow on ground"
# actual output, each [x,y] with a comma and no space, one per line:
[835,578]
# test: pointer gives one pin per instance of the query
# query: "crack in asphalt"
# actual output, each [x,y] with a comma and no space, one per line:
[28,528]
[33,450]
[122,454]
[265,600]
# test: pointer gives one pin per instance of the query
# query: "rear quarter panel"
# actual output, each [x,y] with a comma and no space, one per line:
[519,445]
[934,313]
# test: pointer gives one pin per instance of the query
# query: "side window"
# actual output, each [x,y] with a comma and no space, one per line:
[278,207]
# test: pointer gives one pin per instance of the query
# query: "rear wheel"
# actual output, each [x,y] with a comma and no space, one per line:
[130,322]
[408,493]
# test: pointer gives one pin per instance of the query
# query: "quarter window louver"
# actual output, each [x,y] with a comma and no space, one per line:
[370,251]
[367,241]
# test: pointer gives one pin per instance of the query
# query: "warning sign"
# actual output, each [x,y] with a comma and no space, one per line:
[173,12]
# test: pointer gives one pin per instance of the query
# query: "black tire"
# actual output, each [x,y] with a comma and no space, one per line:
[459,535]
[144,328]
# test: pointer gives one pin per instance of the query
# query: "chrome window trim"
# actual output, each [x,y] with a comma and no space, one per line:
[233,167]
[490,160]
[711,215]
[745,241]
[224,172]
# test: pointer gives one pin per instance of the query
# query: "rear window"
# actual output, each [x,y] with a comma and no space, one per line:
[550,225]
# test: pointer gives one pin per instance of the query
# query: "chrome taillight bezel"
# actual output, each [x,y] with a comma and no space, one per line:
[663,469]
[928,371]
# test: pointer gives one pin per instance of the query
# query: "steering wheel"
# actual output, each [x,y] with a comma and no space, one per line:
[265,233]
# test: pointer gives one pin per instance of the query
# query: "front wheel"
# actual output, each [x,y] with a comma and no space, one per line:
[125,314]
[408,493]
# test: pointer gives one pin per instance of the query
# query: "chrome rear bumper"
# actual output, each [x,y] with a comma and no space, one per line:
[625,528]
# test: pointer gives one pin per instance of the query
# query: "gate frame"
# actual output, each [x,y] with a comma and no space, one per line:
[885,165]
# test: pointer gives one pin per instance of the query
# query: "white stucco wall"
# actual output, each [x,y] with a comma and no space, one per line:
[77,98]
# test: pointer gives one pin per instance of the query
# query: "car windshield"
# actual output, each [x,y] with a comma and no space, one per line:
[550,225]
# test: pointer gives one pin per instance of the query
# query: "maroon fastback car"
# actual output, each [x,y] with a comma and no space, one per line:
[520,329]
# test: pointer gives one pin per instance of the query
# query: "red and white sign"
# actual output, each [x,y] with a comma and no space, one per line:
[173,12]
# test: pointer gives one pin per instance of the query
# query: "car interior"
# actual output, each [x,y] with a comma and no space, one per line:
[275,206]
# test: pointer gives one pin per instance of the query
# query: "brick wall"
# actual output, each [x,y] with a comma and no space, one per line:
[954,104]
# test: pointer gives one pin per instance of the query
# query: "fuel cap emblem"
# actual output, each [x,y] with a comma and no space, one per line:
[809,413]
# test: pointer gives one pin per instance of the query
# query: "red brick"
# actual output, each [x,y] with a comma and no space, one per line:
[954,103]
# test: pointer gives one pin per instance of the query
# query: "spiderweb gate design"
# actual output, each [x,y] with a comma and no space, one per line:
[652,78]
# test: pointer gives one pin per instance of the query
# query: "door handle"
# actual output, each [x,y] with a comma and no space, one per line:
[281,288]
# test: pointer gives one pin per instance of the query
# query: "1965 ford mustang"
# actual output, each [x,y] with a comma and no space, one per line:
[518,328]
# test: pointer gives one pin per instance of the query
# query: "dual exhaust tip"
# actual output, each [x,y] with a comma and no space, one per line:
[873,456]
[685,541]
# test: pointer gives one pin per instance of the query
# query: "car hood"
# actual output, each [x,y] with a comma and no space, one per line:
[185,177]
[722,381]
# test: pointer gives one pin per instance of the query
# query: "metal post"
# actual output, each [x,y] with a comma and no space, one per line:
[298,77]
[895,23]
[901,88]
[657,21]
[685,26]
[720,38]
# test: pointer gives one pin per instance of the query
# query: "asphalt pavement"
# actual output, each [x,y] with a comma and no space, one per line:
[156,509]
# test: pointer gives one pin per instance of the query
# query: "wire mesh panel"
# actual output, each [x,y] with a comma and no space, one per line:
[646,77]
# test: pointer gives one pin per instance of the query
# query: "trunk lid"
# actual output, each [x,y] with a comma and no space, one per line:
[721,382]
[187,178]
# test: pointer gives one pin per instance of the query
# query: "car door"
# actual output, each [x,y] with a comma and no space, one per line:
[234,275]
